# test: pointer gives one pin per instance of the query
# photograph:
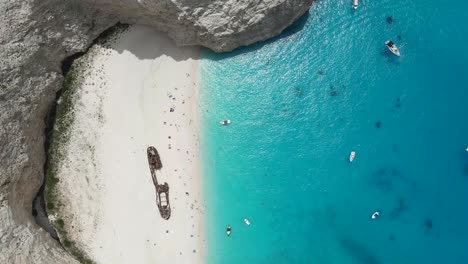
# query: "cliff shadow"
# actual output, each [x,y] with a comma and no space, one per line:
[147,43]
[296,27]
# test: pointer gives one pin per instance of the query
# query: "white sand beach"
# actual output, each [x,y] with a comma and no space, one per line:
[138,81]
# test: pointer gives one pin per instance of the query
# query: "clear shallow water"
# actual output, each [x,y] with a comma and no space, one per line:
[300,103]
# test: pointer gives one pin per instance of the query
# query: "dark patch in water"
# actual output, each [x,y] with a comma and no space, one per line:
[398,37]
[320,72]
[390,20]
[380,172]
[378,124]
[465,170]
[399,209]
[358,252]
[428,225]
[298,92]
[382,181]
[333,92]
[394,172]
[397,105]
[385,171]
[463,154]
[391,238]
[384,185]
[391,58]
[385,52]
[385,179]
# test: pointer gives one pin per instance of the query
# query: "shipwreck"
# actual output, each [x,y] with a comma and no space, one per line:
[162,190]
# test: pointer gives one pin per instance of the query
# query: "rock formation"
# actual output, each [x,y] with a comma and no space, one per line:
[220,25]
[34,38]
[37,35]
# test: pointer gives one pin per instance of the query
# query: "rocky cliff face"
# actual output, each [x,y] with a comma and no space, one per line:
[220,25]
[36,35]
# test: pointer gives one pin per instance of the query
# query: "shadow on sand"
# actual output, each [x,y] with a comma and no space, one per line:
[147,43]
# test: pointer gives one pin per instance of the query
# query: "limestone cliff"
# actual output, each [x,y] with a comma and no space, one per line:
[220,25]
[36,35]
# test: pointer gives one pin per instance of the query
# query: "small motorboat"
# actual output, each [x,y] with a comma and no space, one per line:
[352,155]
[228,230]
[246,221]
[392,47]
[225,122]
[375,215]
[355,4]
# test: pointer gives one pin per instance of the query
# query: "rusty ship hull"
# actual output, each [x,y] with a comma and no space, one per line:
[162,190]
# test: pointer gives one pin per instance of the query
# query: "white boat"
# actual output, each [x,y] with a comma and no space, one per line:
[225,122]
[228,230]
[352,155]
[392,47]
[246,221]
[375,215]
[355,4]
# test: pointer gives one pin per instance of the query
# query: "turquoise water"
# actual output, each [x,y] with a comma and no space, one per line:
[301,102]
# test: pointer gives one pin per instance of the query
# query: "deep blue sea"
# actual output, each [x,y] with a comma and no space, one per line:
[301,102]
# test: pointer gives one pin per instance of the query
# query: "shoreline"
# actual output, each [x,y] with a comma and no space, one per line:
[129,91]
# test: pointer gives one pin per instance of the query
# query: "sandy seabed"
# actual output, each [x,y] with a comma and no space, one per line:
[138,80]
